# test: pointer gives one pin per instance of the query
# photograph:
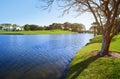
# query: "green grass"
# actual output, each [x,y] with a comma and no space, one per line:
[86,66]
[37,32]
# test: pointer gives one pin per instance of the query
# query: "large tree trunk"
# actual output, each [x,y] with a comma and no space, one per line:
[106,39]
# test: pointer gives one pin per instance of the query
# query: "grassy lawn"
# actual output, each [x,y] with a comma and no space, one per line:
[37,32]
[86,66]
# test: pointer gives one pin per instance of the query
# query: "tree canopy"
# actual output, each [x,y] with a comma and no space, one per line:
[105,13]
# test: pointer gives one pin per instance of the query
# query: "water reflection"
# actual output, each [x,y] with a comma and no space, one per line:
[38,56]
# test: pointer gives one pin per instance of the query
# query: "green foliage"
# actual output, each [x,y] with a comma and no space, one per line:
[14,25]
[75,27]
[55,26]
[86,66]
[96,39]
[117,27]
[95,29]
[6,24]
[27,27]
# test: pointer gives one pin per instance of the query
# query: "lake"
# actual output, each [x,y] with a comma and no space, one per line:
[38,56]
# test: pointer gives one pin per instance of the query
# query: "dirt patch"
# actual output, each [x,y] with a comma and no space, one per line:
[113,54]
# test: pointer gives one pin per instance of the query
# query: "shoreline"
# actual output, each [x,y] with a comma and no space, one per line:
[38,32]
[83,63]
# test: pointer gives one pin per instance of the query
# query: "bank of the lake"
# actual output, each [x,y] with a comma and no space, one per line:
[36,32]
[85,66]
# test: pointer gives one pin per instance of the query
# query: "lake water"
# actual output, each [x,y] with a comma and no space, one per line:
[38,56]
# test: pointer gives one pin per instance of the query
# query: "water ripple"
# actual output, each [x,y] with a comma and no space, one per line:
[38,56]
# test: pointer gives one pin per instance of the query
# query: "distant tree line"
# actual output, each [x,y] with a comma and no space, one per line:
[75,27]
[32,27]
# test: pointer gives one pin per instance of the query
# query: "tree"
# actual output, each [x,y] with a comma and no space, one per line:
[104,12]
[0,27]
[55,26]
[14,27]
[8,25]
[27,27]
[117,26]
[76,27]
[96,30]
[67,26]
[33,27]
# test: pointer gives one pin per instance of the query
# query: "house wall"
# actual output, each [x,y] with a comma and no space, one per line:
[11,28]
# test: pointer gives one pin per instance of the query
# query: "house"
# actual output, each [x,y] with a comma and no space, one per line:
[11,28]
[7,28]
[19,28]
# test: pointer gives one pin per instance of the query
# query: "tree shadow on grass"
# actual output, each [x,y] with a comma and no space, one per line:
[79,67]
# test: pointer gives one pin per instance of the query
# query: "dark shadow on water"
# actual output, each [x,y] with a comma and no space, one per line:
[79,67]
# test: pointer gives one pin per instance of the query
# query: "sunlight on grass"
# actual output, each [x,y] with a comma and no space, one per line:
[37,32]
[86,66]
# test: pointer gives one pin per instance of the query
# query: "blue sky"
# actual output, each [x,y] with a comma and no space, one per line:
[26,12]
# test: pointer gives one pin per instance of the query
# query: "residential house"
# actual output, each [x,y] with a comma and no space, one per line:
[11,28]
[19,28]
